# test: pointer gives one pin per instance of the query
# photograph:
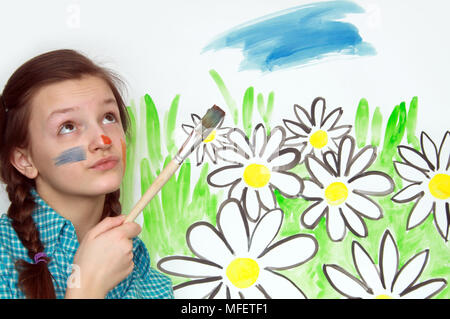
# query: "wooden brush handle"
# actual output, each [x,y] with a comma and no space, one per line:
[156,186]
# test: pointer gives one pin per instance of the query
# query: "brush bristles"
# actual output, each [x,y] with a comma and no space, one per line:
[213,117]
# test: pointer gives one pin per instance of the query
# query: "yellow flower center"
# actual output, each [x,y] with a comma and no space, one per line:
[256,175]
[319,139]
[243,272]
[383,297]
[439,186]
[336,193]
[210,137]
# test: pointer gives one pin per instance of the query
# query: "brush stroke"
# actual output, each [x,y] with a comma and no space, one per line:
[106,139]
[377,120]
[74,154]
[231,103]
[296,37]
[362,122]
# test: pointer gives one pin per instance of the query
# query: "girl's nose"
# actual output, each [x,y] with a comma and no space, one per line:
[100,142]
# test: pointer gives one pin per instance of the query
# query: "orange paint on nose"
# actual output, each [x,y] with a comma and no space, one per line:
[124,154]
[106,139]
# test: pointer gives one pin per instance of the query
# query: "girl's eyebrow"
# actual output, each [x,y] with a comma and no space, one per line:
[71,109]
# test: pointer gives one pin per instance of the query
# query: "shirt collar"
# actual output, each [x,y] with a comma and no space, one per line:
[49,223]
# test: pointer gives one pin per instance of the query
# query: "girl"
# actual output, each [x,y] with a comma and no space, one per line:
[62,157]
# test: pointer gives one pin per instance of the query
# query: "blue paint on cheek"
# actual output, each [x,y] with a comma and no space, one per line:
[296,37]
[71,155]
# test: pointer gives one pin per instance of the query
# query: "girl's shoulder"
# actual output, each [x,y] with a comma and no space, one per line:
[7,232]
[11,247]
[153,284]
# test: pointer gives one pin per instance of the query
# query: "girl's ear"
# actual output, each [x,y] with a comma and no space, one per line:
[23,162]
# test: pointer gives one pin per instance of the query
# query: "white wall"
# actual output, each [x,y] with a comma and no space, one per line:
[156,45]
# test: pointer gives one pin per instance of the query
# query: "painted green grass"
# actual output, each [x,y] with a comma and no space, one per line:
[183,201]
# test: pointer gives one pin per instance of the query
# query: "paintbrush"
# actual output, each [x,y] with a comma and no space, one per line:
[200,132]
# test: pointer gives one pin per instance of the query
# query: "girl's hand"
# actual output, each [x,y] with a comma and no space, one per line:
[105,257]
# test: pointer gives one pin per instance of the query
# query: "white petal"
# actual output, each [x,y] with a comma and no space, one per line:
[239,140]
[426,289]
[346,148]
[362,161]
[232,223]
[232,155]
[318,170]
[339,131]
[335,224]
[444,152]
[318,110]
[189,267]
[441,215]
[279,287]
[200,154]
[312,190]
[274,143]
[236,190]
[330,159]
[225,176]
[388,260]
[345,283]
[195,119]
[266,197]
[364,206]
[205,242]
[284,159]
[290,252]
[408,193]
[410,272]
[311,216]
[419,212]
[373,183]
[259,140]
[196,289]
[295,127]
[413,157]
[265,231]
[366,267]
[354,222]
[251,204]
[253,292]
[221,293]
[289,184]
[331,119]
[429,148]
[409,173]
[303,116]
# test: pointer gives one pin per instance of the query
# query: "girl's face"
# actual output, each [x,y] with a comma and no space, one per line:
[73,125]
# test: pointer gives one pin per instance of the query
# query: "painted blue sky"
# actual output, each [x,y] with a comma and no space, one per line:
[296,37]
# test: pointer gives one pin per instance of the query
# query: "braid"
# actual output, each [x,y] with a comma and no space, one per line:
[112,205]
[35,280]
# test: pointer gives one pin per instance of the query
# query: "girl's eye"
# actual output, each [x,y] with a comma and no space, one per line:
[69,127]
[66,128]
[110,117]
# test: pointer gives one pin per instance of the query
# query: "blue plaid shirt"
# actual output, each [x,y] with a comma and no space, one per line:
[60,241]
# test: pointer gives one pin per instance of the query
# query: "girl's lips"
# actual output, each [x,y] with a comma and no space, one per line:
[104,160]
[106,165]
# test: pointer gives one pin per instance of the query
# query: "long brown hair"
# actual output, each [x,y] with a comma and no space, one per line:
[35,279]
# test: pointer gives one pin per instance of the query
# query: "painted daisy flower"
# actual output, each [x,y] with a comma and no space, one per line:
[384,281]
[428,174]
[316,132]
[216,139]
[340,186]
[232,262]
[258,168]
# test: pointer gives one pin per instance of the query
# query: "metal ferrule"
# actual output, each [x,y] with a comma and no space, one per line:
[197,136]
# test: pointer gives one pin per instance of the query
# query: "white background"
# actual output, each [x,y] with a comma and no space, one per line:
[156,46]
